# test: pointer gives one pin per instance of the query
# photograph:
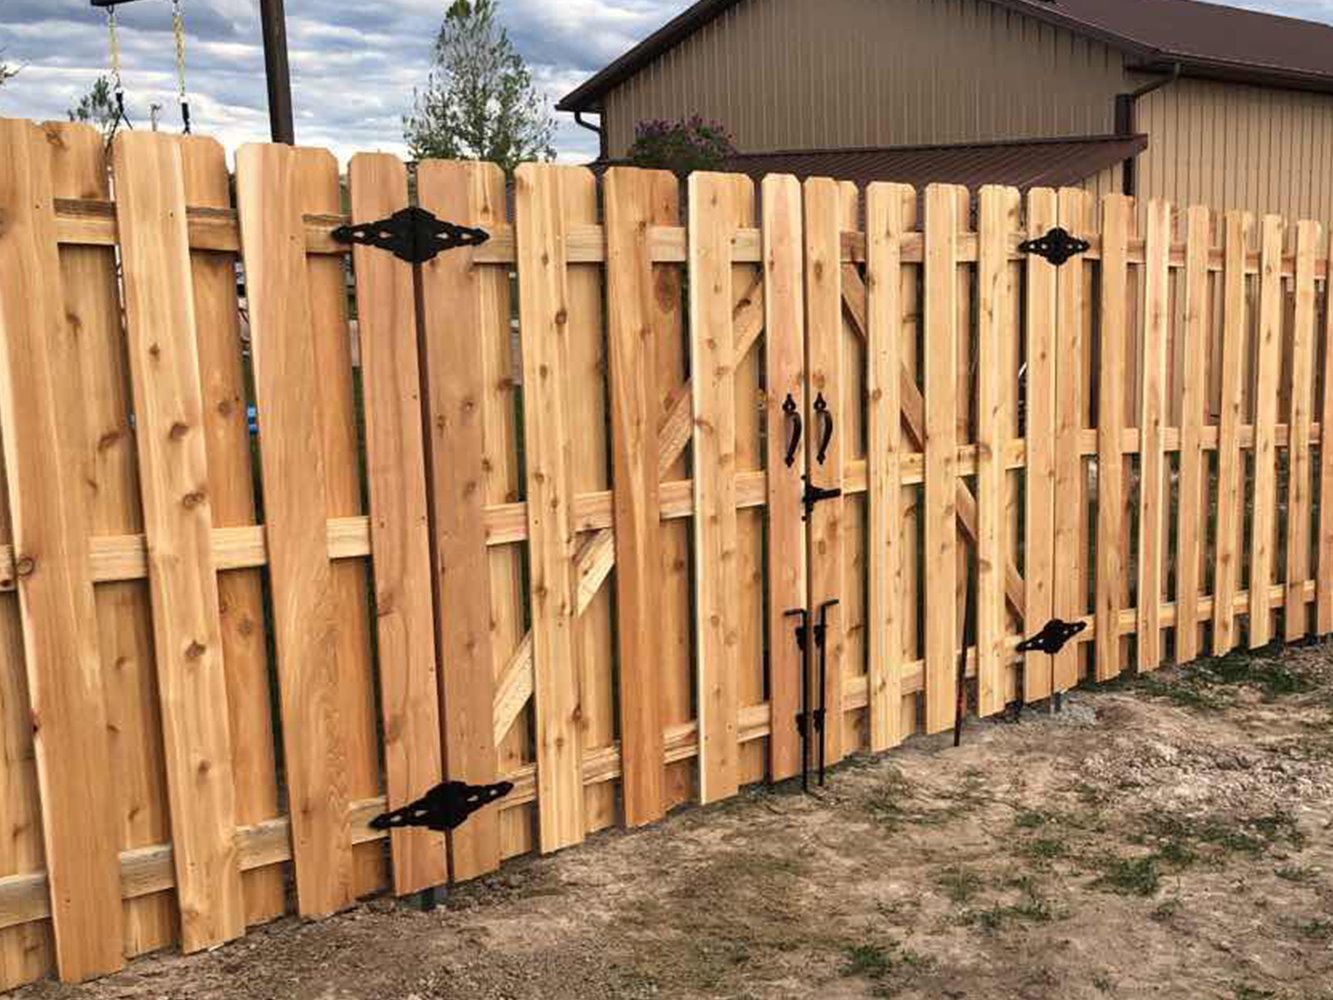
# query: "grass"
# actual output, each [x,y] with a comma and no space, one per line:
[1130,876]
[959,884]
[1032,907]
[1297,873]
[1210,685]
[891,968]
[895,802]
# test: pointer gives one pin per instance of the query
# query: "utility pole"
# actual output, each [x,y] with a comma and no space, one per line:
[278,71]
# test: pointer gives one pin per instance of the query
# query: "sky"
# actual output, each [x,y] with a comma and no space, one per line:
[354,62]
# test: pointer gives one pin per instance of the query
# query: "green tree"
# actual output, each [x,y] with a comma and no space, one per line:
[97,107]
[7,72]
[480,102]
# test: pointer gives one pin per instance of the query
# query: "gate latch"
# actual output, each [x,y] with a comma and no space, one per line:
[1057,246]
[815,495]
[412,234]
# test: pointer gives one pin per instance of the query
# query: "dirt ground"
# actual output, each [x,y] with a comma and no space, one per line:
[1166,837]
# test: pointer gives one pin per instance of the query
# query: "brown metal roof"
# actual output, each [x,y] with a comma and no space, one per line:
[1205,39]
[1035,163]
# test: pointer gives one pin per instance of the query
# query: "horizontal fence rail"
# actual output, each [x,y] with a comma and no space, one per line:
[547,510]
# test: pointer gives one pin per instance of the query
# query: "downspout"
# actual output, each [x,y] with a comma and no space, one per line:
[600,132]
[1126,121]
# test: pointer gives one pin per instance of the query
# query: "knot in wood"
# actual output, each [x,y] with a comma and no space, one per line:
[195,650]
[25,567]
[192,500]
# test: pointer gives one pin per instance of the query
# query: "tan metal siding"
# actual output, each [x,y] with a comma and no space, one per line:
[1233,146]
[807,74]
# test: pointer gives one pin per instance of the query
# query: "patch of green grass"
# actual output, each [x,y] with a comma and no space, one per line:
[890,967]
[1032,819]
[1165,910]
[1209,685]
[870,960]
[1296,873]
[1246,992]
[1130,876]
[895,802]
[1032,907]
[1178,840]
[1317,929]
[1044,849]
[959,884]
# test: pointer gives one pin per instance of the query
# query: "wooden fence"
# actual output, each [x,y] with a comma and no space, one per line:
[562,551]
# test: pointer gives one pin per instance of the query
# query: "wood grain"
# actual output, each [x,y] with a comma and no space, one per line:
[1230,462]
[40,399]
[941,446]
[1116,342]
[232,495]
[306,611]
[887,206]
[187,631]
[634,323]
[458,295]
[545,317]
[1268,373]
[399,523]
[1152,425]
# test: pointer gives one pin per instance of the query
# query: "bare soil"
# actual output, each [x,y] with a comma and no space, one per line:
[1170,836]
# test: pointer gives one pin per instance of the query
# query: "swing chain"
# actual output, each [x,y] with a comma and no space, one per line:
[113,40]
[178,30]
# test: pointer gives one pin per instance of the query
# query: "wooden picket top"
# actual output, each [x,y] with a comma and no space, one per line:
[581,524]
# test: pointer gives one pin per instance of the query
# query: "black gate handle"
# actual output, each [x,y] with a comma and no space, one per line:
[822,411]
[793,413]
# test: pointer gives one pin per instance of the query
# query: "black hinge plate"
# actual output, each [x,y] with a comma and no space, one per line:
[445,807]
[1058,246]
[1053,637]
[412,234]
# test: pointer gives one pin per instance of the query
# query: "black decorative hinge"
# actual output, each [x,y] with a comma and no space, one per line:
[412,234]
[1057,246]
[1053,637]
[445,807]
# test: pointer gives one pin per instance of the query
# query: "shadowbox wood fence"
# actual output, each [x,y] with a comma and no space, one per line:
[534,510]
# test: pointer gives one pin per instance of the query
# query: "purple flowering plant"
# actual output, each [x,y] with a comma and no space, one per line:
[681,145]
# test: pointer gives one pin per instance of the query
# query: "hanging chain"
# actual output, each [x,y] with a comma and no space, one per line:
[113,39]
[178,29]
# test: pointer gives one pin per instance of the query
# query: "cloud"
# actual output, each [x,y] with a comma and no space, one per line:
[354,66]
